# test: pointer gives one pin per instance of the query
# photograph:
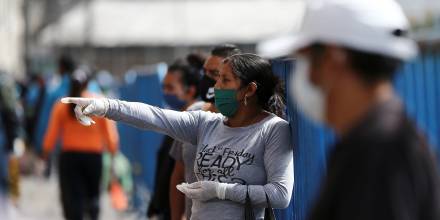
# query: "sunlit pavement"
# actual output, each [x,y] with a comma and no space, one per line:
[40,201]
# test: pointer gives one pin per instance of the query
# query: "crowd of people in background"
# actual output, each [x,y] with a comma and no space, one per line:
[32,124]
[10,133]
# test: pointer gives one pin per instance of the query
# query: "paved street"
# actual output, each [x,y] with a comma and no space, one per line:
[40,201]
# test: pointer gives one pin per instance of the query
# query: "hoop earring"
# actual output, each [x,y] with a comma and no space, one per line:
[245,100]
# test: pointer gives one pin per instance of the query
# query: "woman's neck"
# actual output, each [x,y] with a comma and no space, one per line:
[247,116]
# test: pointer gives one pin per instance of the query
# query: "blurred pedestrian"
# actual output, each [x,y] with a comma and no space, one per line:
[32,99]
[10,137]
[381,166]
[80,162]
[57,87]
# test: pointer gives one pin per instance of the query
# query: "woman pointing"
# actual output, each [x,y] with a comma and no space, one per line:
[244,149]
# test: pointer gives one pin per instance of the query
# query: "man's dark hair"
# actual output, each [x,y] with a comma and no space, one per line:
[373,67]
[225,50]
[196,60]
[252,68]
[78,83]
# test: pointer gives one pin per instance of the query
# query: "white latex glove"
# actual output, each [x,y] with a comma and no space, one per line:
[204,190]
[86,107]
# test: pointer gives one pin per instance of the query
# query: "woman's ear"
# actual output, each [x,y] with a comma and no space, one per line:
[252,89]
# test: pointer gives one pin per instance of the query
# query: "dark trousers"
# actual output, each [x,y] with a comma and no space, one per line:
[160,203]
[80,179]
[3,173]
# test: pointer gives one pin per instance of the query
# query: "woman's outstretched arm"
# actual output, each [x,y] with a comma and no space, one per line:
[183,126]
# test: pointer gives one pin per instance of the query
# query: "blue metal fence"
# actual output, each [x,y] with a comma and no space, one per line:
[418,84]
[310,152]
[140,146]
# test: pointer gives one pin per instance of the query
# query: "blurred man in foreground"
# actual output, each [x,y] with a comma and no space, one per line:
[381,168]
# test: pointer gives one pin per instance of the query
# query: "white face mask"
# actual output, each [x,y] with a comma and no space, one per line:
[309,98]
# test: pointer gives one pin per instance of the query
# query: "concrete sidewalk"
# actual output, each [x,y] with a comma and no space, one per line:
[40,201]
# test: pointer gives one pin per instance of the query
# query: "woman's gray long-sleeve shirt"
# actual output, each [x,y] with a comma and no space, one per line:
[259,155]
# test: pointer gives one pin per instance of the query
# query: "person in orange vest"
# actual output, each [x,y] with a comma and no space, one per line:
[80,161]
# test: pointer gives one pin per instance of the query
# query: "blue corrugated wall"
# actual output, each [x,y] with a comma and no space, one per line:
[310,152]
[419,86]
[141,146]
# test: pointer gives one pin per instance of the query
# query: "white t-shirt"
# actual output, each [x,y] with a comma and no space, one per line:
[259,156]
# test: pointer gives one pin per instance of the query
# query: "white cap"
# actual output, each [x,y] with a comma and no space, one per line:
[367,25]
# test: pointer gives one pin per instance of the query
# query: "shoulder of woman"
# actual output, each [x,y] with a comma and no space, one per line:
[208,116]
[207,119]
[277,121]
[277,130]
[276,124]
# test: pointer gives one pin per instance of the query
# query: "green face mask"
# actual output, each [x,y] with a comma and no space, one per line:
[226,101]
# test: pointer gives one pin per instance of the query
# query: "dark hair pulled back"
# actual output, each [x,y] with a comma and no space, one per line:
[252,68]
[78,83]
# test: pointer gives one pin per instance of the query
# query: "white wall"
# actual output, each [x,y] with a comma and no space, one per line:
[11,37]
[419,11]
[191,22]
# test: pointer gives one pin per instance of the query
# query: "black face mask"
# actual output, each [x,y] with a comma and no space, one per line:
[206,89]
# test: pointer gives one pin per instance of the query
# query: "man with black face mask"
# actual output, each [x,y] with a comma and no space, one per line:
[206,87]
[185,156]
[211,72]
